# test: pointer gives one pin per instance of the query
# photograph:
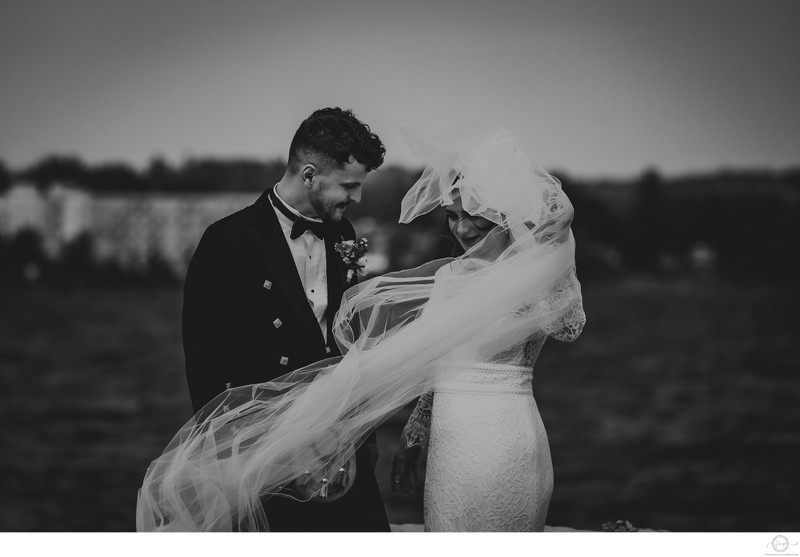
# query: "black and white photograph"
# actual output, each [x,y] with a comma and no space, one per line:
[399,268]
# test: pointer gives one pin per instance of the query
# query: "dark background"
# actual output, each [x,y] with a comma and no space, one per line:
[677,409]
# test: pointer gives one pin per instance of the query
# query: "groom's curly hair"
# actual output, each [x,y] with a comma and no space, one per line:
[331,136]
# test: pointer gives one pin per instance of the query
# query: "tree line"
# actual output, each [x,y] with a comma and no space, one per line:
[747,221]
[194,175]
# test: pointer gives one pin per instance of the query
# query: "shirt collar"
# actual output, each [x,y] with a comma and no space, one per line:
[292,209]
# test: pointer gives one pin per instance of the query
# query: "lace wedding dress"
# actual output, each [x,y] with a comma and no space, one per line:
[489,466]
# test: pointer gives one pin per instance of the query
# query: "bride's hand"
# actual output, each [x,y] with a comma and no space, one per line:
[405,465]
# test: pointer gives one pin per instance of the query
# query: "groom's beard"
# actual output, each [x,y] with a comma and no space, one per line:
[338,211]
[328,210]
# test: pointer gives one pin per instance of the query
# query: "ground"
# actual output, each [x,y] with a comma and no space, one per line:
[677,409]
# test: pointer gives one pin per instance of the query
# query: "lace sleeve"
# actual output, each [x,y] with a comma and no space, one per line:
[573,323]
[418,426]
[569,327]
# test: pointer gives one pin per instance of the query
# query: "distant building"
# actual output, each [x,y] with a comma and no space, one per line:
[22,207]
[127,228]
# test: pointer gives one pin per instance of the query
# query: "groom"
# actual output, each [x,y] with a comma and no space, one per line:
[264,284]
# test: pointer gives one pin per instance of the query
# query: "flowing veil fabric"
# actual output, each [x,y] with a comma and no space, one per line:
[254,442]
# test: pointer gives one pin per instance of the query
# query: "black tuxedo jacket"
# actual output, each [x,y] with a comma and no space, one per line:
[246,319]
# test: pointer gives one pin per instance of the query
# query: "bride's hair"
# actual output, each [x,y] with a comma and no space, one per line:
[457,250]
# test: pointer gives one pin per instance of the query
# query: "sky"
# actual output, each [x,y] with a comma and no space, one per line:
[595,88]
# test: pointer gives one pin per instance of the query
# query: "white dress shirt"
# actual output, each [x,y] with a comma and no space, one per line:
[309,258]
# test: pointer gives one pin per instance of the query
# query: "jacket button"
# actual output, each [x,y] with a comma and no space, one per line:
[267,284]
[284,360]
[327,349]
[277,323]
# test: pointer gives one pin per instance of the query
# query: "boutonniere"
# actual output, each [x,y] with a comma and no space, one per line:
[353,254]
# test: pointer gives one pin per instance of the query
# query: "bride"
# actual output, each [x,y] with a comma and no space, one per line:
[466,328]
[488,466]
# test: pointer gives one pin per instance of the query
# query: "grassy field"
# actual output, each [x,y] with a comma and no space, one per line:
[678,409]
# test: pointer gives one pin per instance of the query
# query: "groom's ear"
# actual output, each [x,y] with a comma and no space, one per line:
[308,173]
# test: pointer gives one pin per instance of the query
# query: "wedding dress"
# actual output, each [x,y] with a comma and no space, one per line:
[489,466]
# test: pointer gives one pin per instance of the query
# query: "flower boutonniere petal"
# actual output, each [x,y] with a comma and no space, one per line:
[353,254]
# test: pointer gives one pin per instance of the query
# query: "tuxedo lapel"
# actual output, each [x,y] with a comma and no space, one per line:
[270,243]
[335,270]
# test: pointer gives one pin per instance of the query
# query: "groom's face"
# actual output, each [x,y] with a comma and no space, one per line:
[332,192]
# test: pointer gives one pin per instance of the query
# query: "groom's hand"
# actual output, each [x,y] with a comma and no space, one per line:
[404,468]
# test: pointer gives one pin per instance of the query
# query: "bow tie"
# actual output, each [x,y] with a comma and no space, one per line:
[300,224]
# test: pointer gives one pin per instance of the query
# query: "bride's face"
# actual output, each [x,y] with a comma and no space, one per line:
[470,230]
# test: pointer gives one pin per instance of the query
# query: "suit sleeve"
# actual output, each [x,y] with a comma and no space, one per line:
[206,324]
